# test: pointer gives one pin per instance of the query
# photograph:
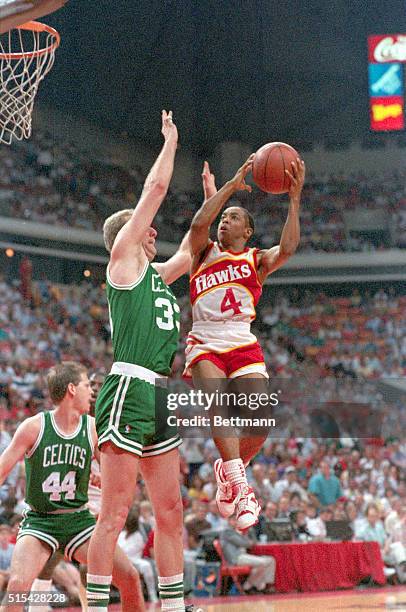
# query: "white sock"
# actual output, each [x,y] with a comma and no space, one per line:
[235,472]
[43,586]
[98,592]
[171,593]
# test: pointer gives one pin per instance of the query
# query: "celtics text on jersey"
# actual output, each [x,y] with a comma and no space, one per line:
[58,466]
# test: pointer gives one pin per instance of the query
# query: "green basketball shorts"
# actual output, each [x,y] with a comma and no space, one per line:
[132,414]
[64,532]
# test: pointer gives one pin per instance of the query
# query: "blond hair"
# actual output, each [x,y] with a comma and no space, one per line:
[113,225]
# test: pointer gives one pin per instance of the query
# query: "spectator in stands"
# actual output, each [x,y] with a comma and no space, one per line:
[397,539]
[299,525]
[284,506]
[146,519]
[196,488]
[217,522]
[235,547]
[131,542]
[392,518]
[324,487]
[6,552]
[315,524]
[264,526]
[357,519]
[260,483]
[374,532]
[10,483]
[196,525]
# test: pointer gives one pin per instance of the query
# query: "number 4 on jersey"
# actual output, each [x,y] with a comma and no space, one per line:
[55,487]
[230,303]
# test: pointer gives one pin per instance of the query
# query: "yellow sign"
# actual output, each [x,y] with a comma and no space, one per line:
[381,112]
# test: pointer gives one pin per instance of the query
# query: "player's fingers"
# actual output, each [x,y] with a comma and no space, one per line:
[295,168]
[248,165]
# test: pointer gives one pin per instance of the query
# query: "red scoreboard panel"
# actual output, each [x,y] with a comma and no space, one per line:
[387,48]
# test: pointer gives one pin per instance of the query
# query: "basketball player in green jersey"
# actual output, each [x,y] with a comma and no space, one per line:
[57,447]
[131,411]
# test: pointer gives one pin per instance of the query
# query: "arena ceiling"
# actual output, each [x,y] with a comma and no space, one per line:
[251,71]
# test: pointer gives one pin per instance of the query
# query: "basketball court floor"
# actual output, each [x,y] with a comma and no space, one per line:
[393,598]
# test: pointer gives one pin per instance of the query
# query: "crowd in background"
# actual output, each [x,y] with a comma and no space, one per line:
[347,345]
[335,349]
[59,183]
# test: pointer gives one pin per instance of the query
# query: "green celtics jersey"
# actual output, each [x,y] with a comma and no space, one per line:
[58,466]
[144,320]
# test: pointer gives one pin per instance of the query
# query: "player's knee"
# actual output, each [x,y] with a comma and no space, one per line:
[19,583]
[113,523]
[170,515]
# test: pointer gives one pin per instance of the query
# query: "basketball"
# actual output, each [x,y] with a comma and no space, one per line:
[270,163]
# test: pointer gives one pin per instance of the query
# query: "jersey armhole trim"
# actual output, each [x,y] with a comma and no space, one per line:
[203,258]
[39,437]
[89,432]
[132,285]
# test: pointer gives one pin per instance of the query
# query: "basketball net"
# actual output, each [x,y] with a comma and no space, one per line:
[27,54]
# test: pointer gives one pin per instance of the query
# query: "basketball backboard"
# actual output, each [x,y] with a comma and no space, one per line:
[17,12]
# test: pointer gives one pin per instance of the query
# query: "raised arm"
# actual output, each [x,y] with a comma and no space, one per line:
[209,182]
[207,213]
[129,239]
[273,258]
[23,440]
[180,263]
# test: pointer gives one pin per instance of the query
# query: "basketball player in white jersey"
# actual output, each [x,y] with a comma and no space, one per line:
[225,286]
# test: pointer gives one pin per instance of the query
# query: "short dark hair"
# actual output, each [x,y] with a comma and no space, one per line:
[132,522]
[59,377]
[250,220]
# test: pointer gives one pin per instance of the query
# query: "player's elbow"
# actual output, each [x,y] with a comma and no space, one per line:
[289,249]
[198,225]
[157,188]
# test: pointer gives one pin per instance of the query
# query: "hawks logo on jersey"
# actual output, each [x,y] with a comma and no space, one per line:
[225,286]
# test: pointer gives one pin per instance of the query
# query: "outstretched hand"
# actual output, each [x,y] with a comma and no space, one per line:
[297,176]
[209,181]
[169,129]
[239,178]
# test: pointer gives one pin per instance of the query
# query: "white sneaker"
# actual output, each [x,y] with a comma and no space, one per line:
[224,497]
[389,571]
[247,508]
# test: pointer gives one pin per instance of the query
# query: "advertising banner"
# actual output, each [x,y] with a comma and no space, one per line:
[387,113]
[387,48]
[385,80]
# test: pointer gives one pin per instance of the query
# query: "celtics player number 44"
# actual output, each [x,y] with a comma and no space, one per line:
[55,487]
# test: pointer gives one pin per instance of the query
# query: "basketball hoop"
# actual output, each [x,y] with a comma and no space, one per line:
[27,54]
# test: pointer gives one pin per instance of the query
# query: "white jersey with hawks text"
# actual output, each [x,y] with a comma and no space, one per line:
[225,286]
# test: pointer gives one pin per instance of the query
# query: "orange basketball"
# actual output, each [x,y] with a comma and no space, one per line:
[270,163]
